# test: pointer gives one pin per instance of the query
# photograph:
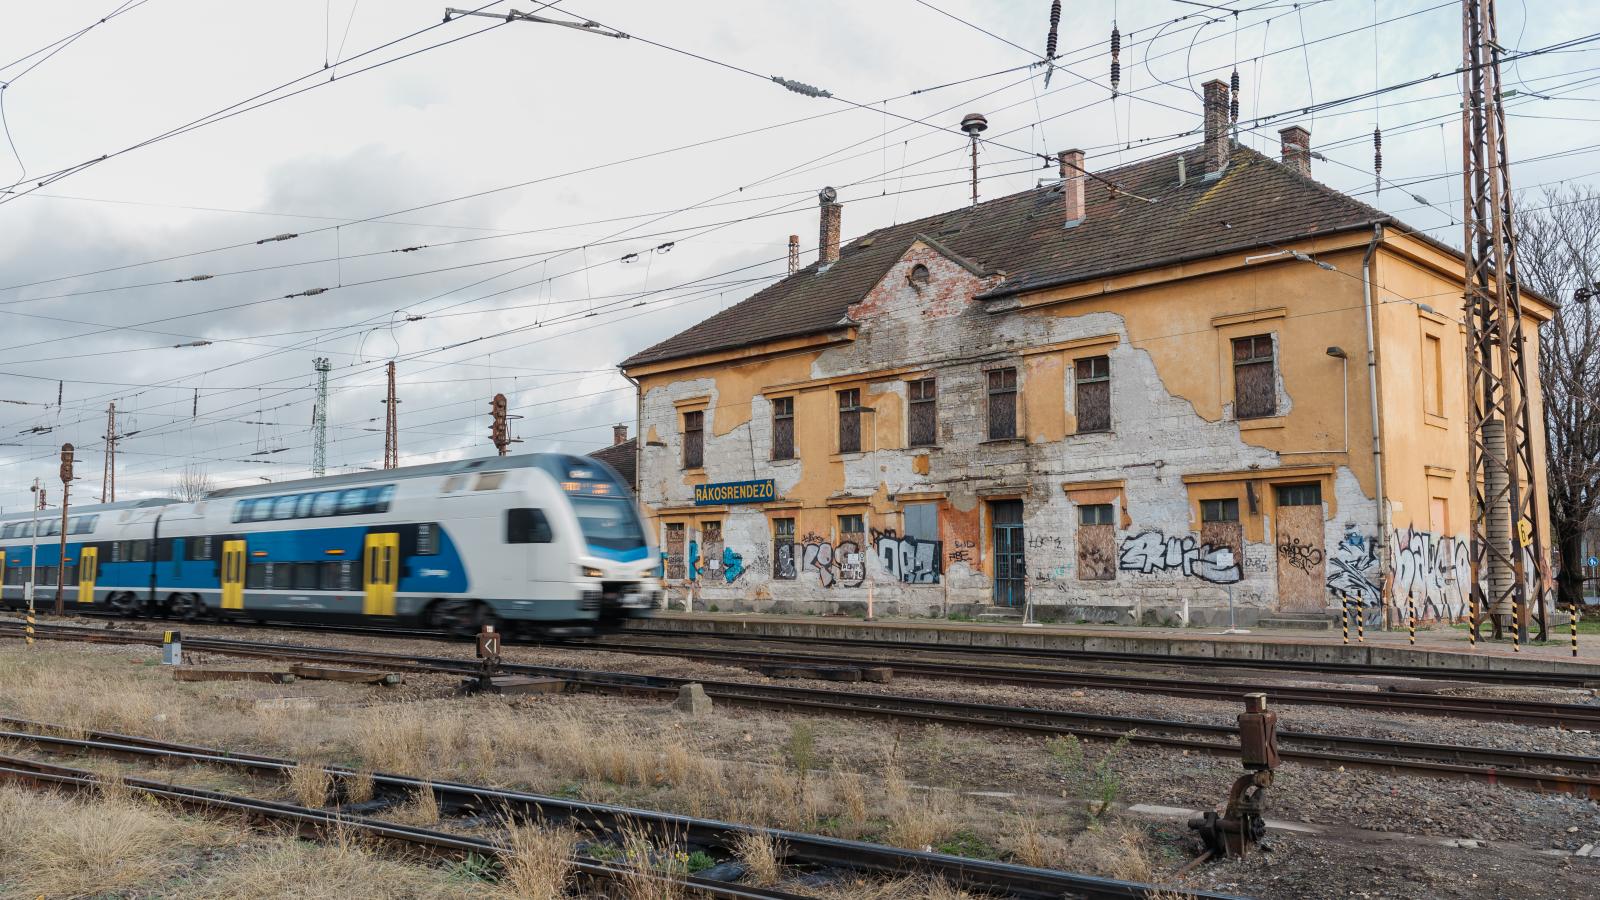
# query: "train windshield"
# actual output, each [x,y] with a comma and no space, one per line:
[608,523]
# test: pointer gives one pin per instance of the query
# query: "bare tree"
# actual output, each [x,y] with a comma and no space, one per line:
[1558,249]
[193,483]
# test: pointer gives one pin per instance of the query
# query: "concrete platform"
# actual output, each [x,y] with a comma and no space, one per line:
[1440,648]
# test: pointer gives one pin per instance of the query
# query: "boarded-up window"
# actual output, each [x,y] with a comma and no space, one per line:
[1439,515]
[783,561]
[694,439]
[783,428]
[1220,527]
[675,548]
[1432,371]
[922,422]
[1097,541]
[1094,394]
[850,421]
[1002,404]
[1255,379]
[710,560]
[850,555]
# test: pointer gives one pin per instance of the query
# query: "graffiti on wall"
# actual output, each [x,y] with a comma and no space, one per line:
[732,565]
[908,559]
[1435,569]
[1152,552]
[1352,567]
[962,551]
[836,565]
[1301,555]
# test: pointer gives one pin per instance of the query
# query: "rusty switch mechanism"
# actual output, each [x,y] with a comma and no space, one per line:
[488,657]
[1241,824]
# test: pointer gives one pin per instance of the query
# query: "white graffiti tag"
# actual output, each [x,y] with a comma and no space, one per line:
[1152,552]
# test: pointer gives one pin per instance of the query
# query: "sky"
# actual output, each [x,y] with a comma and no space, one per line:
[516,207]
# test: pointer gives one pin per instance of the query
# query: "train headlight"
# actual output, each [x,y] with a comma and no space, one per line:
[592,572]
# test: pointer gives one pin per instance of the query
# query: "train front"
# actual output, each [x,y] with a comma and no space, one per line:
[619,565]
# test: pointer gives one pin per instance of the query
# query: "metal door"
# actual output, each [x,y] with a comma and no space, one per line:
[232,574]
[88,569]
[380,568]
[1010,566]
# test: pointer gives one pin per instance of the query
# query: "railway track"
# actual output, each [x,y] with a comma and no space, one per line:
[807,851]
[1525,770]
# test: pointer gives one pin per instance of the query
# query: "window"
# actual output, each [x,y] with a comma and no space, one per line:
[694,439]
[918,275]
[527,526]
[49,527]
[261,510]
[1097,539]
[427,539]
[1095,514]
[850,421]
[198,547]
[83,524]
[1226,510]
[255,575]
[305,576]
[1300,494]
[1432,372]
[784,565]
[454,483]
[1094,394]
[303,505]
[1255,378]
[783,428]
[284,507]
[163,549]
[138,551]
[352,501]
[608,524]
[673,560]
[329,579]
[1002,404]
[325,503]
[922,421]
[850,525]
[379,499]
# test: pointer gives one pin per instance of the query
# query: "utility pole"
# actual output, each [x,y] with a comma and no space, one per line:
[33,556]
[61,560]
[1505,532]
[391,427]
[497,424]
[974,124]
[319,418]
[108,481]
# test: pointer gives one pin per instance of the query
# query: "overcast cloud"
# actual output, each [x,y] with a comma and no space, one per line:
[521,102]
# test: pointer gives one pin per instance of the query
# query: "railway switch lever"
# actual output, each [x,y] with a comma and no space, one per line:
[1241,824]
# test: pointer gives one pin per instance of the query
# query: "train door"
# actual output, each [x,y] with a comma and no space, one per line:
[380,569]
[5,579]
[88,569]
[232,574]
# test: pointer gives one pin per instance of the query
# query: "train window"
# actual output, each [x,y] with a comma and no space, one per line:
[164,550]
[352,502]
[8,532]
[347,576]
[305,576]
[489,481]
[84,524]
[48,528]
[454,483]
[199,547]
[283,507]
[325,504]
[255,575]
[608,523]
[328,576]
[379,501]
[302,506]
[527,526]
[140,551]
[261,510]
[427,539]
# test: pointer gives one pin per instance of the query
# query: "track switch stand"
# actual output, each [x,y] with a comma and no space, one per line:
[488,656]
[1241,824]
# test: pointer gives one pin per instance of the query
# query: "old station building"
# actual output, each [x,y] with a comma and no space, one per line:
[1136,394]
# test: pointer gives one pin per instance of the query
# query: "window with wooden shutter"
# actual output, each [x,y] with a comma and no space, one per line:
[1002,404]
[922,420]
[694,439]
[850,421]
[1093,379]
[783,428]
[1097,542]
[1255,377]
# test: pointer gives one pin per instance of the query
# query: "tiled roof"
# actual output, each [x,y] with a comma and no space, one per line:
[622,457]
[1257,201]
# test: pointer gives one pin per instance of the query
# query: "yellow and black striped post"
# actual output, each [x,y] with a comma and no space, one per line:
[1516,624]
[1345,606]
[1472,621]
[1361,624]
[1411,617]
[27,629]
[1572,622]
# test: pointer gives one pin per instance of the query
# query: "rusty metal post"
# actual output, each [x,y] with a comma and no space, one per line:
[1242,824]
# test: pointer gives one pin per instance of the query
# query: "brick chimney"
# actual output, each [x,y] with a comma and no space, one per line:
[1217,137]
[1072,178]
[1296,149]
[619,433]
[828,231]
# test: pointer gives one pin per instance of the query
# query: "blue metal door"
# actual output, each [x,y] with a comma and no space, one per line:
[1010,566]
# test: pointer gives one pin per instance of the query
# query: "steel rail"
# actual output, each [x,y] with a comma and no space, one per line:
[812,850]
[305,819]
[1504,767]
[1557,715]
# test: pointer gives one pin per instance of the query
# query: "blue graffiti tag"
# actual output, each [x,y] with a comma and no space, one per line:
[732,565]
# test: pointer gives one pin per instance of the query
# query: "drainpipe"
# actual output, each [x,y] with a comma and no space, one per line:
[1372,399]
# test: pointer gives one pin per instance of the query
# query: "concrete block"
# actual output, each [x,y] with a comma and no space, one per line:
[692,701]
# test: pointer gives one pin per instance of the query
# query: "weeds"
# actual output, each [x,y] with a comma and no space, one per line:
[310,785]
[762,855]
[1098,784]
[801,748]
[538,862]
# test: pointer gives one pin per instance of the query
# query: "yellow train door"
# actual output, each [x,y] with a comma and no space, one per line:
[233,574]
[88,569]
[380,568]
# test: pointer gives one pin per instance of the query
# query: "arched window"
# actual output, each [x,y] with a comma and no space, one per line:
[918,276]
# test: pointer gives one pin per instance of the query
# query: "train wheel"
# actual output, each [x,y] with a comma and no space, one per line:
[454,616]
[125,603]
[186,607]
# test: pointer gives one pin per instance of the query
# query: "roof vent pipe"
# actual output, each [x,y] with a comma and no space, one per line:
[1072,177]
[828,230]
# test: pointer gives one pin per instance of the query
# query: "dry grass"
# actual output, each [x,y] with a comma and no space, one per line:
[358,786]
[338,868]
[310,785]
[912,888]
[538,865]
[422,810]
[645,857]
[1117,849]
[762,855]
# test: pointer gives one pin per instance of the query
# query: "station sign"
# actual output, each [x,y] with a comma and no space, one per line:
[722,492]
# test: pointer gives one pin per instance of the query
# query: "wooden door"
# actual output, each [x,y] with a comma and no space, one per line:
[232,574]
[380,570]
[88,569]
[1302,578]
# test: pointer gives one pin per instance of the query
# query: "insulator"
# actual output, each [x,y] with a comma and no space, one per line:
[1050,40]
[1377,151]
[1116,76]
[1116,63]
[1233,98]
[1116,42]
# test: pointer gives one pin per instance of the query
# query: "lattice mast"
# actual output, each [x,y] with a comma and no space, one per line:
[391,426]
[108,480]
[319,419]
[1507,544]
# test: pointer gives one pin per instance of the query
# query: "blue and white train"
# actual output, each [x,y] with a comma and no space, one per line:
[544,543]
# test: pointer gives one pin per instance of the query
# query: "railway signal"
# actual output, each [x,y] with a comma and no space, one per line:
[497,426]
[61,559]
